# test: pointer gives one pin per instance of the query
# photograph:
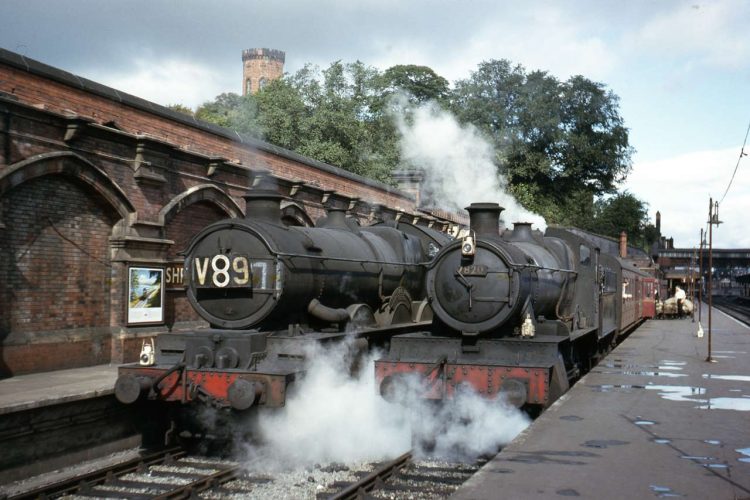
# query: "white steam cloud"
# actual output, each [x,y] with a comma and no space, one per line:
[458,164]
[332,417]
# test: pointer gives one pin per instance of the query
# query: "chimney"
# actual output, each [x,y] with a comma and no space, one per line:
[335,219]
[484,218]
[658,223]
[263,205]
[521,232]
[624,245]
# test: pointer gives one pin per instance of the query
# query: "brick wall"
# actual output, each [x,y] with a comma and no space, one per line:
[54,270]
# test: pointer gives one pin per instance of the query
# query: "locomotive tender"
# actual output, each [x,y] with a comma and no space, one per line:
[269,290]
[517,313]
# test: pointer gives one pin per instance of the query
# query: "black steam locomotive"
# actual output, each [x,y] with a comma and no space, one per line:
[517,313]
[269,290]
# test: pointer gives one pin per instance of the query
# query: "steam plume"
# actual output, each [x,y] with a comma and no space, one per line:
[332,417]
[458,164]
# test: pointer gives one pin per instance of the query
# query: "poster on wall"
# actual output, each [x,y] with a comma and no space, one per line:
[145,295]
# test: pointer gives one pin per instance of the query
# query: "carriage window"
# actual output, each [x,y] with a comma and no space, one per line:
[627,293]
[585,254]
[608,280]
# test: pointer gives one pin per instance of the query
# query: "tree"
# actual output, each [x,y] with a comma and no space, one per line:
[220,110]
[281,113]
[596,149]
[421,83]
[559,144]
[623,212]
[335,116]
[181,109]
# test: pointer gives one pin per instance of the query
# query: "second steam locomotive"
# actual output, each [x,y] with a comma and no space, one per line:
[517,313]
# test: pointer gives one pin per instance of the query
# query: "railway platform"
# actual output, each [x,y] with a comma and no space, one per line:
[53,419]
[654,419]
[27,392]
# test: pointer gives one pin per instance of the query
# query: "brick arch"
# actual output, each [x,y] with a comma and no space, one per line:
[202,192]
[55,275]
[72,165]
[182,218]
[294,215]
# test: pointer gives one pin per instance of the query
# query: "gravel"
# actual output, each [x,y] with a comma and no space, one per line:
[303,483]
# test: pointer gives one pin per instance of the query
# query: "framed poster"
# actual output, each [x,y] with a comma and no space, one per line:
[145,295]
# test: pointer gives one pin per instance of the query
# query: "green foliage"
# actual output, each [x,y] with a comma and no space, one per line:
[181,109]
[220,110]
[566,139]
[560,144]
[623,212]
[420,83]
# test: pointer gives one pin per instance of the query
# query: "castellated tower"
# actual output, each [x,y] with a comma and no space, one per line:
[260,66]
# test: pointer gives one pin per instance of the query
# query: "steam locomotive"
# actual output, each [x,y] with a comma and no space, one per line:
[268,291]
[518,314]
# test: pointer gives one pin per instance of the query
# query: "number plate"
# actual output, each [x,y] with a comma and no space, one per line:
[475,270]
[231,271]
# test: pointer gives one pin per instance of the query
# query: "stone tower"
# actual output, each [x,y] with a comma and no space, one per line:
[260,66]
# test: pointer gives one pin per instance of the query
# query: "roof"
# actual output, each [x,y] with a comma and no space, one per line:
[32,66]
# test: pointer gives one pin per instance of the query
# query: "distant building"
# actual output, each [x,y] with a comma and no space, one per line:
[259,67]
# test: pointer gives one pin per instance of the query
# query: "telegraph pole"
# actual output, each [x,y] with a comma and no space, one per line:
[691,288]
[713,218]
[700,284]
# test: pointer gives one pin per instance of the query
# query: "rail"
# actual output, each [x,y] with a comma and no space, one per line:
[736,307]
[100,476]
[86,484]
[370,481]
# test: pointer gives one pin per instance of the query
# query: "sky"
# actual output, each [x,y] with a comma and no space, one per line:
[681,69]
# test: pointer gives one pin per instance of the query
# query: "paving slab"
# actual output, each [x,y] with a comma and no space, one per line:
[655,419]
[35,390]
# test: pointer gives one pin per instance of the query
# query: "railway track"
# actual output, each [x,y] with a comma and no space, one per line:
[737,307]
[404,477]
[169,473]
[172,473]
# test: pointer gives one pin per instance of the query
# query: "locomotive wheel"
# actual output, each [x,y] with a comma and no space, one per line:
[397,310]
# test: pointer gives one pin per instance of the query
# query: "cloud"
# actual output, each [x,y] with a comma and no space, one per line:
[169,81]
[680,187]
[713,34]
[546,39]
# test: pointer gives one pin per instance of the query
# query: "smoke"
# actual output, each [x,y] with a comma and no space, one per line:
[457,162]
[331,417]
[462,428]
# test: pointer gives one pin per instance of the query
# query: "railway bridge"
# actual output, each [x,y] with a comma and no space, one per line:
[731,268]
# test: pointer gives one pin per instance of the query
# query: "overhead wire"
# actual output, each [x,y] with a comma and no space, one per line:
[742,153]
